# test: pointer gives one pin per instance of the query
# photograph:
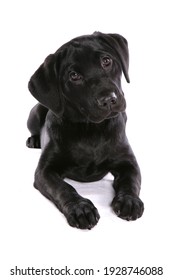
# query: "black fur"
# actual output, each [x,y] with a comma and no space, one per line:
[80,122]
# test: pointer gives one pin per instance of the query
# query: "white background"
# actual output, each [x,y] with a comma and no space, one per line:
[33,232]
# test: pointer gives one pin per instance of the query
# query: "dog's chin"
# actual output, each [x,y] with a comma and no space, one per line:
[101,118]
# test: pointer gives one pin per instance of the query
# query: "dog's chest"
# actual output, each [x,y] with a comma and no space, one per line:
[86,145]
[89,151]
[86,150]
[88,161]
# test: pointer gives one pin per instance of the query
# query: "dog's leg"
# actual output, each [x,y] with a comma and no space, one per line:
[126,203]
[80,212]
[35,122]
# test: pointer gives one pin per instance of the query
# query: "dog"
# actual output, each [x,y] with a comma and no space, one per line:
[79,123]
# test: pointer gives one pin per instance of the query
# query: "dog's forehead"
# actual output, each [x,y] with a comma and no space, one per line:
[85,48]
[86,41]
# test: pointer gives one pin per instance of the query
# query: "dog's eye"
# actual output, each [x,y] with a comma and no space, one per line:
[106,61]
[74,76]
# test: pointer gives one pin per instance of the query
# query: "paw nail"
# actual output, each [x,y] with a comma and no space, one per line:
[118,212]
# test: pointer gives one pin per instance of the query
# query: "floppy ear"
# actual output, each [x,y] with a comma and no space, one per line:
[120,46]
[44,85]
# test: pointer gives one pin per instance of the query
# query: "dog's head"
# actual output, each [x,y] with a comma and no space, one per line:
[82,80]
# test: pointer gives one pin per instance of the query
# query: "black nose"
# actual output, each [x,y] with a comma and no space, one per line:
[107,101]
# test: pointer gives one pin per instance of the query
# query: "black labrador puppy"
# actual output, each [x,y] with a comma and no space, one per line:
[80,126]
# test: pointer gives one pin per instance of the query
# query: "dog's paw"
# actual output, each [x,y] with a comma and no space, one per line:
[128,207]
[82,214]
[33,142]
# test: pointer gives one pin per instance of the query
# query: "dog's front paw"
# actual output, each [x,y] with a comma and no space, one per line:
[128,207]
[82,214]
